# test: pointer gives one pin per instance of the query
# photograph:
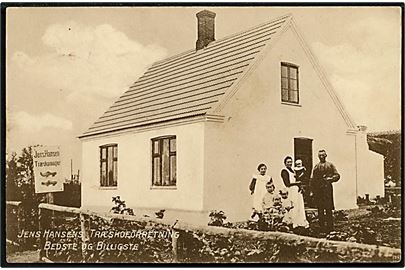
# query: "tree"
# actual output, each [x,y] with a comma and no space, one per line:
[20,181]
[11,177]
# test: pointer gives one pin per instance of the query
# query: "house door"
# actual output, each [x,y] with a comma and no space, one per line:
[303,151]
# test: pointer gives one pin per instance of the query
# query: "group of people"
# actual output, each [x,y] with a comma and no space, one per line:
[284,196]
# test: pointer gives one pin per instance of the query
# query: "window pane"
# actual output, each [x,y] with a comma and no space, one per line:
[110,176]
[294,96]
[284,83]
[156,147]
[173,145]
[293,73]
[293,85]
[115,173]
[165,163]
[103,174]
[115,151]
[284,95]
[156,171]
[173,170]
[103,152]
[284,72]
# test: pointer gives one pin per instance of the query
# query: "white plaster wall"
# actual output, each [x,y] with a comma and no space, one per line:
[370,169]
[135,172]
[258,128]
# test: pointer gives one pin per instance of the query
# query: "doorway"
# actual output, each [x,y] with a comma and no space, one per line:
[303,151]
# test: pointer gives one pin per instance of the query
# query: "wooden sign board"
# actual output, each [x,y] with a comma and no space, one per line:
[47,169]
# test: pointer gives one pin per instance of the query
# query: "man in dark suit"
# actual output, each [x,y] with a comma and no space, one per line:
[323,175]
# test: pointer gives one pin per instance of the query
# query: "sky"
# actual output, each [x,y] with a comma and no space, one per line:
[66,66]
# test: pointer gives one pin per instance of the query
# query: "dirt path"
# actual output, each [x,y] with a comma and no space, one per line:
[30,256]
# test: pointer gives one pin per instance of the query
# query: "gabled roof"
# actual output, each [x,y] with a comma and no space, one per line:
[189,84]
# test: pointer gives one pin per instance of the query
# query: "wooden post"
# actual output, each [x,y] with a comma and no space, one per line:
[71,170]
[84,227]
[50,200]
[41,241]
[22,241]
[175,247]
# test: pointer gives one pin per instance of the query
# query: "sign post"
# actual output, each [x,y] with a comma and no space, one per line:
[47,170]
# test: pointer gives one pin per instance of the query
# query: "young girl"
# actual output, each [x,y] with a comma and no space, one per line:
[258,188]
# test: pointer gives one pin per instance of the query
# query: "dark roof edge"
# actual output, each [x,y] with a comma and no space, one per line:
[136,126]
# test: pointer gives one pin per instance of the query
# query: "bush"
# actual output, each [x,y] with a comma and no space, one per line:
[107,247]
[121,207]
[385,211]
[217,218]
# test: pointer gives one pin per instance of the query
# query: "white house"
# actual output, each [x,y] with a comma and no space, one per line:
[189,133]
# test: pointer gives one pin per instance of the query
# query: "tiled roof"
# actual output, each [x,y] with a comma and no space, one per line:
[188,84]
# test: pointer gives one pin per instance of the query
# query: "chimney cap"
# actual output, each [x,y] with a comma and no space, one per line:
[206,13]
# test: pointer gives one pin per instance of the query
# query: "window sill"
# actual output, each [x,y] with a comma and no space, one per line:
[291,104]
[163,187]
[107,188]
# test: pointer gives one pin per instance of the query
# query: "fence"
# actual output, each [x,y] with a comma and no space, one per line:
[13,222]
[21,216]
[85,236]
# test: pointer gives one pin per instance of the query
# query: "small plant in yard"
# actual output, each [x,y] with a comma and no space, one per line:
[121,207]
[217,218]
[340,215]
[384,211]
[269,221]
[159,214]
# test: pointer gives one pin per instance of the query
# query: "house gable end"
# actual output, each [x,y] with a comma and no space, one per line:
[290,25]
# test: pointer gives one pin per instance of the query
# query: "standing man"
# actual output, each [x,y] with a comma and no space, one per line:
[323,175]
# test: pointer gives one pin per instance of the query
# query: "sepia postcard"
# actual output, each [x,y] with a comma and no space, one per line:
[180,134]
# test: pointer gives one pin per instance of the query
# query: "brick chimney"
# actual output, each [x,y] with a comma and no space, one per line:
[206,28]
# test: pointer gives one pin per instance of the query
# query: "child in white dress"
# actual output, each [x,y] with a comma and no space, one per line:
[268,199]
[287,205]
[258,189]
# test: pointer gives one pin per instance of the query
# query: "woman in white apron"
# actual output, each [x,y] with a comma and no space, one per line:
[258,187]
[294,193]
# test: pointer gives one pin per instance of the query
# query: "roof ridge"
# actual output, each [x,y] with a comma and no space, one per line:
[285,16]
[252,28]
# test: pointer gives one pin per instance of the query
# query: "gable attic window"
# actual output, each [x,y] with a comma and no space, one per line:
[289,83]
[164,161]
[108,165]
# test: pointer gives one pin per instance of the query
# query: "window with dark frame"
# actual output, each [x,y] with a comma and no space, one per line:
[164,167]
[289,83]
[108,165]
